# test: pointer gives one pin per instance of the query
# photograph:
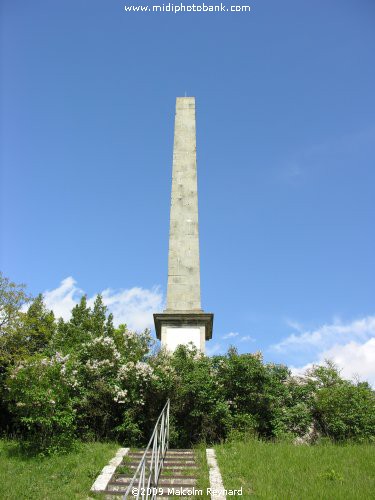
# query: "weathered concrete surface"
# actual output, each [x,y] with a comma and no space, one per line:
[183,321]
[216,481]
[105,476]
[183,262]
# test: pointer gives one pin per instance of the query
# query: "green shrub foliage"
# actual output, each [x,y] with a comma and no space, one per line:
[42,403]
[84,378]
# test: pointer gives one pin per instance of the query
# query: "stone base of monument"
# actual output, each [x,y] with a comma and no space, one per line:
[183,327]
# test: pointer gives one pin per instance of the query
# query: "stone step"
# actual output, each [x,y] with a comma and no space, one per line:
[177,474]
[182,456]
[162,476]
[114,493]
[167,457]
[170,450]
[179,465]
[178,461]
[169,465]
[172,475]
[170,457]
[176,452]
[163,491]
[183,493]
[163,481]
[181,449]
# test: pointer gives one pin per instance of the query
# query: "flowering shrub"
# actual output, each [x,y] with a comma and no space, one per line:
[40,398]
[86,379]
[87,388]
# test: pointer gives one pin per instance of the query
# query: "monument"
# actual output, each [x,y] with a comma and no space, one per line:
[183,320]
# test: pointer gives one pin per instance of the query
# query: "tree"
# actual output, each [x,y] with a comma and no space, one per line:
[98,317]
[26,333]
[12,298]
[73,333]
[38,326]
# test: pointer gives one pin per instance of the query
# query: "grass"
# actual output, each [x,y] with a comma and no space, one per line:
[202,472]
[61,477]
[264,469]
[124,467]
[285,471]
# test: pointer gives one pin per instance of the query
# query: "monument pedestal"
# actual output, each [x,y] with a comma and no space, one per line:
[181,327]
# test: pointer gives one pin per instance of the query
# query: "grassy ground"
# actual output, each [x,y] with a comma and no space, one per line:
[202,474]
[284,471]
[265,470]
[55,478]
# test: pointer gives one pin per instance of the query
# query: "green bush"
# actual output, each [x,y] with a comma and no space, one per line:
[346,411]
[199,410]
[40,399]
[84,378]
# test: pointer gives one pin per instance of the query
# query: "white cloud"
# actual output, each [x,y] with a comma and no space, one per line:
[133,306]
[353,359]
[295,325]
[235,335]
[63,298]
[329,334]
[247,338]
[350,345]
[300,371]
[230,335]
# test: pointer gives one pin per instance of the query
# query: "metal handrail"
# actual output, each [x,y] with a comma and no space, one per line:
[145,480]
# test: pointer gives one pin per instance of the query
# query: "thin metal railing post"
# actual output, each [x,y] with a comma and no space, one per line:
[155,458]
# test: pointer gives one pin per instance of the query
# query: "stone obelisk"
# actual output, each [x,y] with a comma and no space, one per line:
[183,321]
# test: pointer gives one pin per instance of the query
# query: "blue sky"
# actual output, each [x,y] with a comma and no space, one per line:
[286,148]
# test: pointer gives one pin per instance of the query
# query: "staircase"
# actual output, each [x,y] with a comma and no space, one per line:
[178,473]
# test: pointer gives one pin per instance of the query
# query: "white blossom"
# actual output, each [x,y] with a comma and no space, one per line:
[120,395]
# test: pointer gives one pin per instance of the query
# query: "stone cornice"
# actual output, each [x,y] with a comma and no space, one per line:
[182,318]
